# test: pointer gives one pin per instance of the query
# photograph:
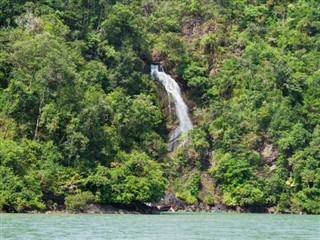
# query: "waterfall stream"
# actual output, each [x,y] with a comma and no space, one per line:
[181,108]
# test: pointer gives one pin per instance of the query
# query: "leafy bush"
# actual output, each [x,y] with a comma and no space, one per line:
[79,201]
[191,187]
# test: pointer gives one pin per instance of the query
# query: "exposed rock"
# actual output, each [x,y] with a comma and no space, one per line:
[157,57]
[29,22]
[269,153]
[99,209]
[220,207]
[190,208]
[196,207]
[147,209]
[162,59]
[272,210]
[171,199]
[34,212]
[240,209]
[273,167]
[56,212]
[123,209]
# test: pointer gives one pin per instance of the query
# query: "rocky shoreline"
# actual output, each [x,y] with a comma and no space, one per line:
[192,208]
[169,203]
[95,208]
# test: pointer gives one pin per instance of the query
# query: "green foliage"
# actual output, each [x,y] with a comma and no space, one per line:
[137,179]
[196,75]
[79,201]
[134,178]
[190,190]
[28,172]
[19,194]
[170,47]
[79,113]
[230,171]
[53,25]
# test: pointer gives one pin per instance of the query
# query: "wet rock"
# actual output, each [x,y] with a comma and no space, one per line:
[147,209]
[272,210]
[56,212]
[93,209]
[100,209]
[34,212]
[220,207]
[190,208]
[239,209]
[106,209]
[121,211]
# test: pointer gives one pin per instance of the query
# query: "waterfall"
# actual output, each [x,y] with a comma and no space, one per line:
[181,108]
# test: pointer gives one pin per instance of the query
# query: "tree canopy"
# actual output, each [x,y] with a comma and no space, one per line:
[81,119]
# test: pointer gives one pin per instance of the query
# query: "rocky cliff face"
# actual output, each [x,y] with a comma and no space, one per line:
[270,154]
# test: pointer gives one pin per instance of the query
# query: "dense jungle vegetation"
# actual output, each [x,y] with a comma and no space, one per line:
[81,120]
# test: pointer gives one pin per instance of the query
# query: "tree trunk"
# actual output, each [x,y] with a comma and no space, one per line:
[39,116]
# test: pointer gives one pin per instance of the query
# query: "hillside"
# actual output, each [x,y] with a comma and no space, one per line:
[81,119]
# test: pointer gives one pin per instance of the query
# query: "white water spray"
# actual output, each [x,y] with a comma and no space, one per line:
[173,89]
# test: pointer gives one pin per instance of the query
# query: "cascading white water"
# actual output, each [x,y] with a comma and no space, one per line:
[173,89]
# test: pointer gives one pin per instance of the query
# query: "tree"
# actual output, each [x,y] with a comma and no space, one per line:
[44,70]
[134,178]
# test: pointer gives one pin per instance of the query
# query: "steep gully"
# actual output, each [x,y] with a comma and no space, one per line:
[173,89]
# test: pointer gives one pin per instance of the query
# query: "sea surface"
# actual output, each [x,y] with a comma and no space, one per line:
[166,226]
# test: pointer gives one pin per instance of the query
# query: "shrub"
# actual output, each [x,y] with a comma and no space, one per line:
[78,202]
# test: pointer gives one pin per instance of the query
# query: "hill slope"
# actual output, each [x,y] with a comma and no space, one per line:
[81,120]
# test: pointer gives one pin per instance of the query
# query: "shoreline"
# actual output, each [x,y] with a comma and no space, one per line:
[95,208]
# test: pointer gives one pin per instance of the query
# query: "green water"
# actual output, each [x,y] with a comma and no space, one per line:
[166,226]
